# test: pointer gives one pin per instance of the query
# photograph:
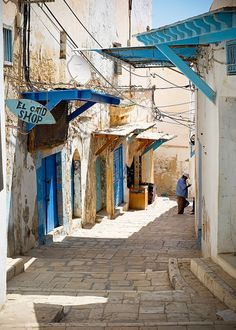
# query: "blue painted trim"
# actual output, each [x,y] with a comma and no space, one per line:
[80,110]
[70,95]
[41,205]
[154,145]
[54,97]
[188,72]
[210,27]
[146,56]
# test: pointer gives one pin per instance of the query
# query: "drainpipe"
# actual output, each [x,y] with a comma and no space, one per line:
[129,40]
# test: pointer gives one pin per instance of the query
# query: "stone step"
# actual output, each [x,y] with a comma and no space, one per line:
[14,267]
[220,283]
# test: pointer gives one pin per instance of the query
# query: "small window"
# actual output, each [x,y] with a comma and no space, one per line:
[7,45]
[231,57]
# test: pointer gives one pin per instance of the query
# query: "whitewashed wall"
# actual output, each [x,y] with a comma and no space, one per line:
[216,133]
[3,231]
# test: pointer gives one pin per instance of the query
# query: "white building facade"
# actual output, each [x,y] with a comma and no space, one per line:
[54,33]
[215,152]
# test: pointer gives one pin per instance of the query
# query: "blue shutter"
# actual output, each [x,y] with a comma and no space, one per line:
[231,57]
[7,44]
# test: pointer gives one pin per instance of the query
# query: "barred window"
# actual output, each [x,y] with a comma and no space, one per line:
[231,57]
[7,45]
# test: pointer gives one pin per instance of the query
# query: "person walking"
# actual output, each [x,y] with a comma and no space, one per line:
[182,193]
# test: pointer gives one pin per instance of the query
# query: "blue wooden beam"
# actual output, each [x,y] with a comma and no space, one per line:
[154,145]
[187,71]
[72,94]
[80,110]
[54,97]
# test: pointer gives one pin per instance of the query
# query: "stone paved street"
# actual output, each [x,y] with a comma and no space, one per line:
[115,276]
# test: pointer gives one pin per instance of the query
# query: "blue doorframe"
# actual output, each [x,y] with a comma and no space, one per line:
[98,185]
[118,177]
[72,188]
[47,196]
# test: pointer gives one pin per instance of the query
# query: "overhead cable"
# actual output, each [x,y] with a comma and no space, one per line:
[99,44]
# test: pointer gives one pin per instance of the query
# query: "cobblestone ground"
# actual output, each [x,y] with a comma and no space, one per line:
[115,276]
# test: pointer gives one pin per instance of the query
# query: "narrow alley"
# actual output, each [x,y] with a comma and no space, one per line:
[117,275]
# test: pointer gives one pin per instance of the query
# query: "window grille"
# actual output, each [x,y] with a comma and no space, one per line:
[231,57]
[7,45]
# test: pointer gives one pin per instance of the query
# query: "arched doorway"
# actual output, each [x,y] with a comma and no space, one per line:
[76,185]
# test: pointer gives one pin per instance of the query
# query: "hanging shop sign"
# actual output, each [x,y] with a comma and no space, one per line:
[30,111]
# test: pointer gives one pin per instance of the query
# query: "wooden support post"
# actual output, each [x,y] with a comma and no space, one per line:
[144,144]
[116,143]
[105,145]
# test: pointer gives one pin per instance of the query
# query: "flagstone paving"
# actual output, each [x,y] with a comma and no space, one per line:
[115,276]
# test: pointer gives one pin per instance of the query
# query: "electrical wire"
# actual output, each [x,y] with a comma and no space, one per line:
[117,60]
[157,75]
[178,121]
[98,43]
[48,28]
[172,69]
[175,105]
[72,11]
[95,69]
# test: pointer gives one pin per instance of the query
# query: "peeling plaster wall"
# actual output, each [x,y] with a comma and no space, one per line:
[3,231]
[108,22]
[216,133]
[20,180]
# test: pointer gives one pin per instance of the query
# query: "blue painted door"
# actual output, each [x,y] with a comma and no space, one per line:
[98,185]
[50,190]
[118,176]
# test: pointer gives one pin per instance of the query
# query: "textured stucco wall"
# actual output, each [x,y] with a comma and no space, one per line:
[3,231]
[216,133]
[108,22]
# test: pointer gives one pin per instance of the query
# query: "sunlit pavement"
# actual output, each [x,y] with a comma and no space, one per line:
[115,276]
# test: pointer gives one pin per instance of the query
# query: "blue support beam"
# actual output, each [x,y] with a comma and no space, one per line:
[80,110]
[72,95]
[54,97]
[147,56]
[154,145]
[187,71]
